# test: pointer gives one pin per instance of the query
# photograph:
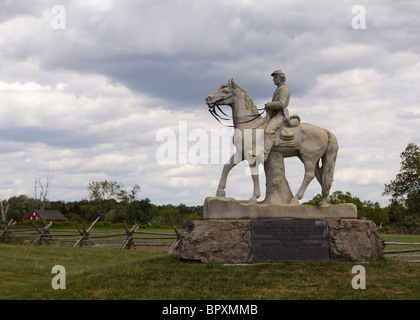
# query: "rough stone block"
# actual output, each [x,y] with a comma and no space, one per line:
[217,241]
[354,240]
[232,241]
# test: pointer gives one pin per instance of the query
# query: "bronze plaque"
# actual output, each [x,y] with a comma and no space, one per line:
[289,240]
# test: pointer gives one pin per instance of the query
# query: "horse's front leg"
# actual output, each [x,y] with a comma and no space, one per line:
[226,169]
[256,180]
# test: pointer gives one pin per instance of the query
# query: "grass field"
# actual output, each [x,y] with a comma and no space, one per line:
[112,274]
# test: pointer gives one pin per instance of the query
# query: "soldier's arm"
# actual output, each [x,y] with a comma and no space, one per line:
[282,103]
[275,105]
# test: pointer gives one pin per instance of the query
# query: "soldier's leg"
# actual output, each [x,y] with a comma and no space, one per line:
[268,143]
[270,130]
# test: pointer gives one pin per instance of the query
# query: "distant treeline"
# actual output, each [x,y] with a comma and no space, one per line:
[142,212]
[395,214]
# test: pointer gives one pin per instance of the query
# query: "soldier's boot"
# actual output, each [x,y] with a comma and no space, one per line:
[268,144]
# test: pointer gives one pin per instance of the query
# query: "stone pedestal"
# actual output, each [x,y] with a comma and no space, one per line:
[230,209]
[248,241]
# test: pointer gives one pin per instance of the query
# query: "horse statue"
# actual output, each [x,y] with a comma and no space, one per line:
[311,144]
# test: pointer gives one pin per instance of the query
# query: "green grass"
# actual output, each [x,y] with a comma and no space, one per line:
[112,274]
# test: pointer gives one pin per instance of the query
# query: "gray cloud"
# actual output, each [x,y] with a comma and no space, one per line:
[407,115]
[51,137]
[122,70]
[174,50]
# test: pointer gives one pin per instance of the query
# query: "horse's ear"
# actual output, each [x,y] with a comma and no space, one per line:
[233,83]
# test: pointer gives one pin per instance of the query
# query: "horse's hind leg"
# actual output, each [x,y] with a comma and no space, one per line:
[309,176]
[223,179]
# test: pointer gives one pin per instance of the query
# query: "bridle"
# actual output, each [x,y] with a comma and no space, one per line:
[219,117]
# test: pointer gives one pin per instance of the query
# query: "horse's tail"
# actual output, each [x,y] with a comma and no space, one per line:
[325,173]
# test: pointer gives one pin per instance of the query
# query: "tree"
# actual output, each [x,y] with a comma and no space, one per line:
[107,193]
[405,189]
[373,211]
[20,206]
[43,193]
[167,215]
[336,198]
[3,210]
[340,197]
[141,211]
[132,195]
[396,213]
[365,209]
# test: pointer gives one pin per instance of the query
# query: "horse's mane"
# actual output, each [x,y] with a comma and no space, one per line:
[249,103]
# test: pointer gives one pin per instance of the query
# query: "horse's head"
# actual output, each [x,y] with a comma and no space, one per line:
[225,95]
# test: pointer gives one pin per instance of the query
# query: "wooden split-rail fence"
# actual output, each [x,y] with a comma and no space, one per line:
[129,238]
[409,255]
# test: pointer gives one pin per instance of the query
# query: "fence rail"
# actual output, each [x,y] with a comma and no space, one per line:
[401,231]
[81,237]
[403,253]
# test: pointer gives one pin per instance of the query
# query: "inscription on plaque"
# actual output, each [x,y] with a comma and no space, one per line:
[289,240]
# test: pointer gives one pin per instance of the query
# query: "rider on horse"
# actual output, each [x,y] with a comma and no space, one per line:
[277,112]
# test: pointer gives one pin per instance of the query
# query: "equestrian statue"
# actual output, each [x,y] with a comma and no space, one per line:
[256,138]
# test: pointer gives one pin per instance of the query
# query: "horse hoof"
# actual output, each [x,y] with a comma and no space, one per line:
[253,200]
[294,202]
[323,203]
[221,194]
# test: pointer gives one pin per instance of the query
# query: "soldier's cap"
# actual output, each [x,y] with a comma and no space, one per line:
[278,72]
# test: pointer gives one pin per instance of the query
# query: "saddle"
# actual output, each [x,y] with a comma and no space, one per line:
[286,134]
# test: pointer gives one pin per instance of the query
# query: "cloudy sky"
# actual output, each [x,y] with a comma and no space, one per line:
[87,88]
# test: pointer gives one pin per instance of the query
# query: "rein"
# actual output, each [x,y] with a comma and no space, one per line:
[218,117]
